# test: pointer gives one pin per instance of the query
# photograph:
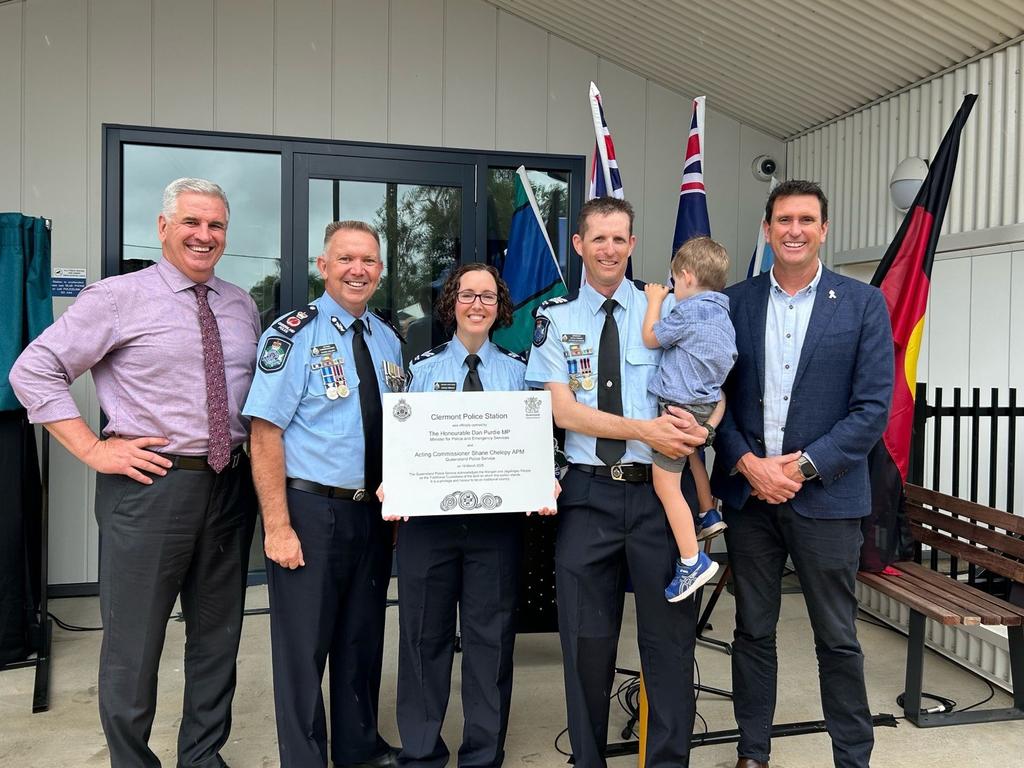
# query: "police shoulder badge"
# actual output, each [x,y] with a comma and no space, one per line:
[510,353]
[274,354]
[540,330]
[293,321]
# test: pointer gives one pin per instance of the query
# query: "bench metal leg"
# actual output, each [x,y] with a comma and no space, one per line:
[914,680]
[915,668]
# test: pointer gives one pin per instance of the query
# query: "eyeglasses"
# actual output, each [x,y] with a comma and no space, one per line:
[488,299]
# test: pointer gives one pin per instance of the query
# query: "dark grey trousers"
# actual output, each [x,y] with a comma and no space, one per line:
[188,533]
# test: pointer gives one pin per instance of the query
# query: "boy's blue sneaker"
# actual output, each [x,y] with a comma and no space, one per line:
[710,524]
[690,578]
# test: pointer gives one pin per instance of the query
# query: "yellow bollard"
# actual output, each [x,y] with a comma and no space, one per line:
[641,725]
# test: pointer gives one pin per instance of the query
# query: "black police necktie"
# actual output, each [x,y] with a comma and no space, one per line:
[609,383]
[369,404]
[472,381]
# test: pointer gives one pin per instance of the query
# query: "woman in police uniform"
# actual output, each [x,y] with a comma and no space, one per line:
[467,561]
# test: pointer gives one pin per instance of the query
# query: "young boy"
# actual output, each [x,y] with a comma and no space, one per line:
[700,349]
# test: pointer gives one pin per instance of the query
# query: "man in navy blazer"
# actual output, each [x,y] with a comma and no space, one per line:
[806,401]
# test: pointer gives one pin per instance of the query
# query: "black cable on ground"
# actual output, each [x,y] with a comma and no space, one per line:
[945,704]
[71,627]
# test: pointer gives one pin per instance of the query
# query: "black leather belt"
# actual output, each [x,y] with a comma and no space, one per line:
[626,473]
[200,463]
[308,486]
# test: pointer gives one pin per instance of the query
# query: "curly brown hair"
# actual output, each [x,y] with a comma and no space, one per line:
[445,308]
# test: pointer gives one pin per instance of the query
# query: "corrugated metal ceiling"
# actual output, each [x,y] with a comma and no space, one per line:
[781,67]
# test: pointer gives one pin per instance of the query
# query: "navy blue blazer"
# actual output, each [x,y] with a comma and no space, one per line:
[840,401]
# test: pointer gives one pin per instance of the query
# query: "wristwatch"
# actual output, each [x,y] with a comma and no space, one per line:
[806,467]
[711,435]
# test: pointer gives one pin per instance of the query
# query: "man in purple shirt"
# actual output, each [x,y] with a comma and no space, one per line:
[172,350]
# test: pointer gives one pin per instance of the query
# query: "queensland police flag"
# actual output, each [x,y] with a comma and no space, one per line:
[530,268]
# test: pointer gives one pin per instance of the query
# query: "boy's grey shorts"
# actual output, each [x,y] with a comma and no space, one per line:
[701,412]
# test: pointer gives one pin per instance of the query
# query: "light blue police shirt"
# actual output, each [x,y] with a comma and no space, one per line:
[784,330]
[295,371]
[566,345]
[444,369]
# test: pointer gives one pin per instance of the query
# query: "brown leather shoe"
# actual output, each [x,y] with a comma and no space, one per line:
[749,762]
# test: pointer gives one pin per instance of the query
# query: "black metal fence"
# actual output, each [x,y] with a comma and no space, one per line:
[958,424]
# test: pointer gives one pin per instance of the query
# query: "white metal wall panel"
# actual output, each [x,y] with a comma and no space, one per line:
[667,115]
[11,115]
[54,158]
[243,82]
[303,35]
[522,104]
[361,70]
[625,98]
[470,64]
[854,157]
[397,70]
[570,69]
[415,87]
[183,53]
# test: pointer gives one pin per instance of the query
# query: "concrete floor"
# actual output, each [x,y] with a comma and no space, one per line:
[69,734]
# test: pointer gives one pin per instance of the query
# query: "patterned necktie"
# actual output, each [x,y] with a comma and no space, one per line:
[609,384]
[218,449]
[369,405]
[472,381]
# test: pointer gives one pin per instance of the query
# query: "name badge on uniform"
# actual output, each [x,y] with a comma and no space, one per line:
[323,349]
[394,376]
[332,372]
[444,386]
[573,338]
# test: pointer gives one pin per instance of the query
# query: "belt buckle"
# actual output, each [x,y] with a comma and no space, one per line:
[358,494]
[617,472]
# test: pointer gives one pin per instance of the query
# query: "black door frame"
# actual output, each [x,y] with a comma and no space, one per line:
[294,151]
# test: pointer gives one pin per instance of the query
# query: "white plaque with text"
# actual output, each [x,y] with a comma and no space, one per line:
[448,453]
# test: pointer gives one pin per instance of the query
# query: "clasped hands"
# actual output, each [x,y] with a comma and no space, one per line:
[774,479]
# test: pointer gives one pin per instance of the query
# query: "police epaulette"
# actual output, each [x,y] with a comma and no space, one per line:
[510,353]
[640,284]
[560,299]
[390,325]
[429,353]
[293,321]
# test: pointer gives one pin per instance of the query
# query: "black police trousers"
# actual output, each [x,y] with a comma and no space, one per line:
[188,533]
[332,607]
[608,529]
[470,562]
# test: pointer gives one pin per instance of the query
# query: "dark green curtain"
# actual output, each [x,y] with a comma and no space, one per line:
[26,308]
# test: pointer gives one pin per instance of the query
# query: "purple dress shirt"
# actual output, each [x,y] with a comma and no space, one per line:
[139,334]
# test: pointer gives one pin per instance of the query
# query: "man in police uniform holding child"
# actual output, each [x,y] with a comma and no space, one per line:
[588,351]
[316,454]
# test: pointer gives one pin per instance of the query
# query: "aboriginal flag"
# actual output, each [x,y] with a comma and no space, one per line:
[904,276]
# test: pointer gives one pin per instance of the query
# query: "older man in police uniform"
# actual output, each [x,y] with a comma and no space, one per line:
[316,448]
[588,352]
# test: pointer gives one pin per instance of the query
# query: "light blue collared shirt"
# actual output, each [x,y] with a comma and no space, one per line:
[784,330]
[566,346]
[323,435]
[444,369]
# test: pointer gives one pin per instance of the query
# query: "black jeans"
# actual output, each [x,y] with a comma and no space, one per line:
[188,533]
[826,554]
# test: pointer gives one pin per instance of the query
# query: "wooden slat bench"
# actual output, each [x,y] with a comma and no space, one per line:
[990,539]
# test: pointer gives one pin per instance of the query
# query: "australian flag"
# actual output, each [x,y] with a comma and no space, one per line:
[692,215]
[605,180]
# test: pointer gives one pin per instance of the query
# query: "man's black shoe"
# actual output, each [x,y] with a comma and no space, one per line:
[387,759]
